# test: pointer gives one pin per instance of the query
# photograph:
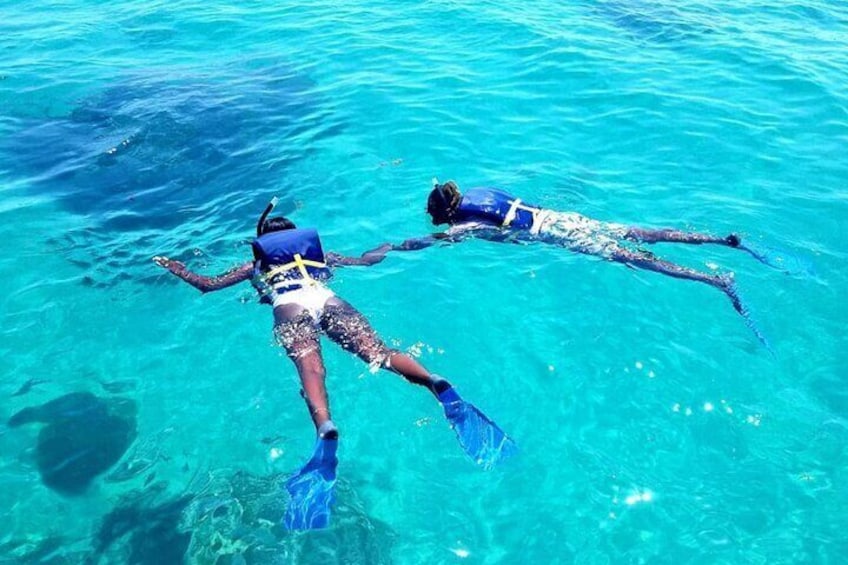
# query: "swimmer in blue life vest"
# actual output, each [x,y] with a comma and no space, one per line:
[289,272]
[492,214]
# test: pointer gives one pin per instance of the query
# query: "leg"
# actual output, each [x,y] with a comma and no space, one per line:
[724,283]
[643,235]
[295,330]
[764,255]
[479,436]
[648,262]
[311,489]
[350,329]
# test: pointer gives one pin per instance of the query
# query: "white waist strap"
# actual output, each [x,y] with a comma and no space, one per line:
[539,218]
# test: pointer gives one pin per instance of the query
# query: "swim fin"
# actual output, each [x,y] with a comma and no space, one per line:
[311,489]
[480,437]
[783,261]
[733,293]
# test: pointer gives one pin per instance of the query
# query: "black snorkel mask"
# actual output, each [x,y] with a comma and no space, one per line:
[264,215]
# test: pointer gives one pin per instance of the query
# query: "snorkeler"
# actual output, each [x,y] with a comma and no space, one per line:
[492,214]
[288,272]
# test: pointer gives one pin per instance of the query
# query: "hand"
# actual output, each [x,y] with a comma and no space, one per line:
[169,264]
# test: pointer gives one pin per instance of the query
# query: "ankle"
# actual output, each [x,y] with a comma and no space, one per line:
[328,430]
[438,385]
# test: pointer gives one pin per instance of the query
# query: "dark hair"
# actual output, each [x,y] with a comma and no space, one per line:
[443,201]
[278,223]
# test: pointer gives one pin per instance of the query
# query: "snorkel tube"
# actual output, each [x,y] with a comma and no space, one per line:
[264,215]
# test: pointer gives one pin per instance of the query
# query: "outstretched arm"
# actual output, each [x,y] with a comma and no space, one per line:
[371,257]
[206,284]
[376,255]
[455,234]
[416,243]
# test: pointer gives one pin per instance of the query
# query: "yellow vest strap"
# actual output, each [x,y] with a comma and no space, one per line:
[299,263]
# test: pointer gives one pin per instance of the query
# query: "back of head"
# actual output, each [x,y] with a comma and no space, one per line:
[278,223]
[443,201]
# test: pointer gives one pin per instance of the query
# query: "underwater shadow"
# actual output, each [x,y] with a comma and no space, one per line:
[144,528]
[229,518]
[237,518]
[170,147]
[649,21]
[82,437]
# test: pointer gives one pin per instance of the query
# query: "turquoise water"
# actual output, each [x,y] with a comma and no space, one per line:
[653,427]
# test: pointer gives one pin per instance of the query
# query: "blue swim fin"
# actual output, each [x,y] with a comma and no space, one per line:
[311,489]
[480,437]
[733,293]
[784,261]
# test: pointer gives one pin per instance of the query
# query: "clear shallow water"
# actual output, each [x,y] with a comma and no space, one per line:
[652,426]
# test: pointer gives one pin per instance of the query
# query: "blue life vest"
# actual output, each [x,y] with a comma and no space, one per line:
[496,207]
[286,260]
